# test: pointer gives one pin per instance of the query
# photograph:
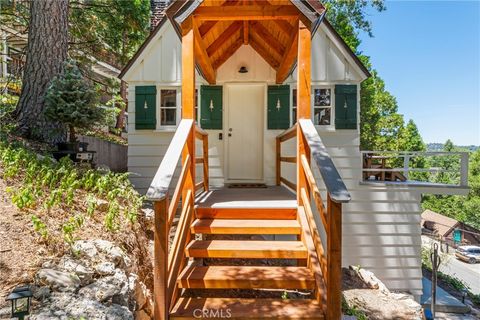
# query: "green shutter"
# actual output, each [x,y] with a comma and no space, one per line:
[346,107]
[145,107]
[278,111]
[211,118]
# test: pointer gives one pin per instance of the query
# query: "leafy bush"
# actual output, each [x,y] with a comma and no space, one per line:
[41,185]
[71,100]
[8,104]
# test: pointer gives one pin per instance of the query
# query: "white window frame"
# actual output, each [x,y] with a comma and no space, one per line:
[178,113]
[329,127]
[332,106]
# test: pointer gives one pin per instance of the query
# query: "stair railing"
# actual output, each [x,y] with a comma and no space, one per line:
[169,260]
[327,266]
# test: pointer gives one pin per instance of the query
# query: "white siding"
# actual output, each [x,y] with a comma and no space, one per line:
[381,228]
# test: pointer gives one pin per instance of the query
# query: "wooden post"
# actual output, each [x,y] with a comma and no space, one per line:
[188,100]
[278,164]
[334,260]
[205,162]
[160,276]
[303,100]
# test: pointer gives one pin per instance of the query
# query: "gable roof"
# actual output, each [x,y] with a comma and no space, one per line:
[443,225]
[179,10]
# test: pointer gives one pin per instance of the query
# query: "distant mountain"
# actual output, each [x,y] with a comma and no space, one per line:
[439,147]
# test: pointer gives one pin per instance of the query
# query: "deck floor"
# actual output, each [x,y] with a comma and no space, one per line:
[270,197]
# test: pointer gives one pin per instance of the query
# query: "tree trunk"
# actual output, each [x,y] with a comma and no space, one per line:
[121,116]
[46,51]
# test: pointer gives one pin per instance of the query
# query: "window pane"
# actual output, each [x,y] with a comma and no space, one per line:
[168,107]
[321,116]
[168,99]
[168,117]
[322,97]
[294,97]
[294,115]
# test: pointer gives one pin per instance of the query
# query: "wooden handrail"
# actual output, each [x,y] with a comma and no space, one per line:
[169,261]
[288,134]
[333,182]
[172,209]
[163,178]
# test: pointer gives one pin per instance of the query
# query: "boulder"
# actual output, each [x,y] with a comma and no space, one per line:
[69,306]
[117,312]
[40,293]
[58,280]
[105,288]
[113,253]
[85,248]
[85,274]
[105,268]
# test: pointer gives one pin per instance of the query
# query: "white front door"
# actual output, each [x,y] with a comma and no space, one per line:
[244,132]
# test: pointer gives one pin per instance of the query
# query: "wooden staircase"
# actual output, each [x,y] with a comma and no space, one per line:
[236,253]
[231,274]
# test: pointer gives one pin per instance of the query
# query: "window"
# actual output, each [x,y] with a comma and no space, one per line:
[322,106]
[294,106]
[168,107]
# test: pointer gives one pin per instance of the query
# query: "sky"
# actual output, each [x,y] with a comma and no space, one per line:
[428,53]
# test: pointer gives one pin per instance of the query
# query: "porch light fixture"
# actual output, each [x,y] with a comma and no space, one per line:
[278,105]
[20,298]
[211,105]
[243,69]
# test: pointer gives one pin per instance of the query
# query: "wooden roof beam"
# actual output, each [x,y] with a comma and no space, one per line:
[205,27]
[269,39]
[229,32]
[202,57]
[245,32]
[264,53]
[282,24]
[228,53]
[288,58]
[248,12]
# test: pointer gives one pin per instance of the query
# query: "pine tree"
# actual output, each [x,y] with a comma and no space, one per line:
[71,100]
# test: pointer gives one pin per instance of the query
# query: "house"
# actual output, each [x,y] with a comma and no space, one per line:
[248,111]
[448,229]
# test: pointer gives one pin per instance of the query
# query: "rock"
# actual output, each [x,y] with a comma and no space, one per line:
[142,315]
[106,287]
[58,280]
[117,312]
[84,273]
[364,292]
[140,293]
[6,311]
[102,205]
[85,248]
[40,293]
[105,268]
[68,306]
[113,253]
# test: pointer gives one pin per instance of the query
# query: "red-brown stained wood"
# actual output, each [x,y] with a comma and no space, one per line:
[249,308]
[334,259]
[245,226]
[229,32]
[160,274]
[246,277]
[246,213]
[250,249]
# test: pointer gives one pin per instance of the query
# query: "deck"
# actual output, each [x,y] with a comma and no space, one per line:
[270,197]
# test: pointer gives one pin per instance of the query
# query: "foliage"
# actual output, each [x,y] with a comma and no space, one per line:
[116,26]
[352,311]
[464,209]
[71,100]
[7,107]
[44,186]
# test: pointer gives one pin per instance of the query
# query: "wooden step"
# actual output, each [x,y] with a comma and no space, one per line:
[246,249]
[246,277]
[286,213]
[218,308]
[245,226]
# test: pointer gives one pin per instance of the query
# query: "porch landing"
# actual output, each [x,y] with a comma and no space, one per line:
[270,197]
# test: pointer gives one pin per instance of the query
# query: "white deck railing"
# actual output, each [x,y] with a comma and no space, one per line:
[403,166]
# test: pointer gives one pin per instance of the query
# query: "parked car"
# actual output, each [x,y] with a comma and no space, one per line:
[470,254]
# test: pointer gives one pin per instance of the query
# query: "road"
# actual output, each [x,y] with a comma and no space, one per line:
[468,273]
